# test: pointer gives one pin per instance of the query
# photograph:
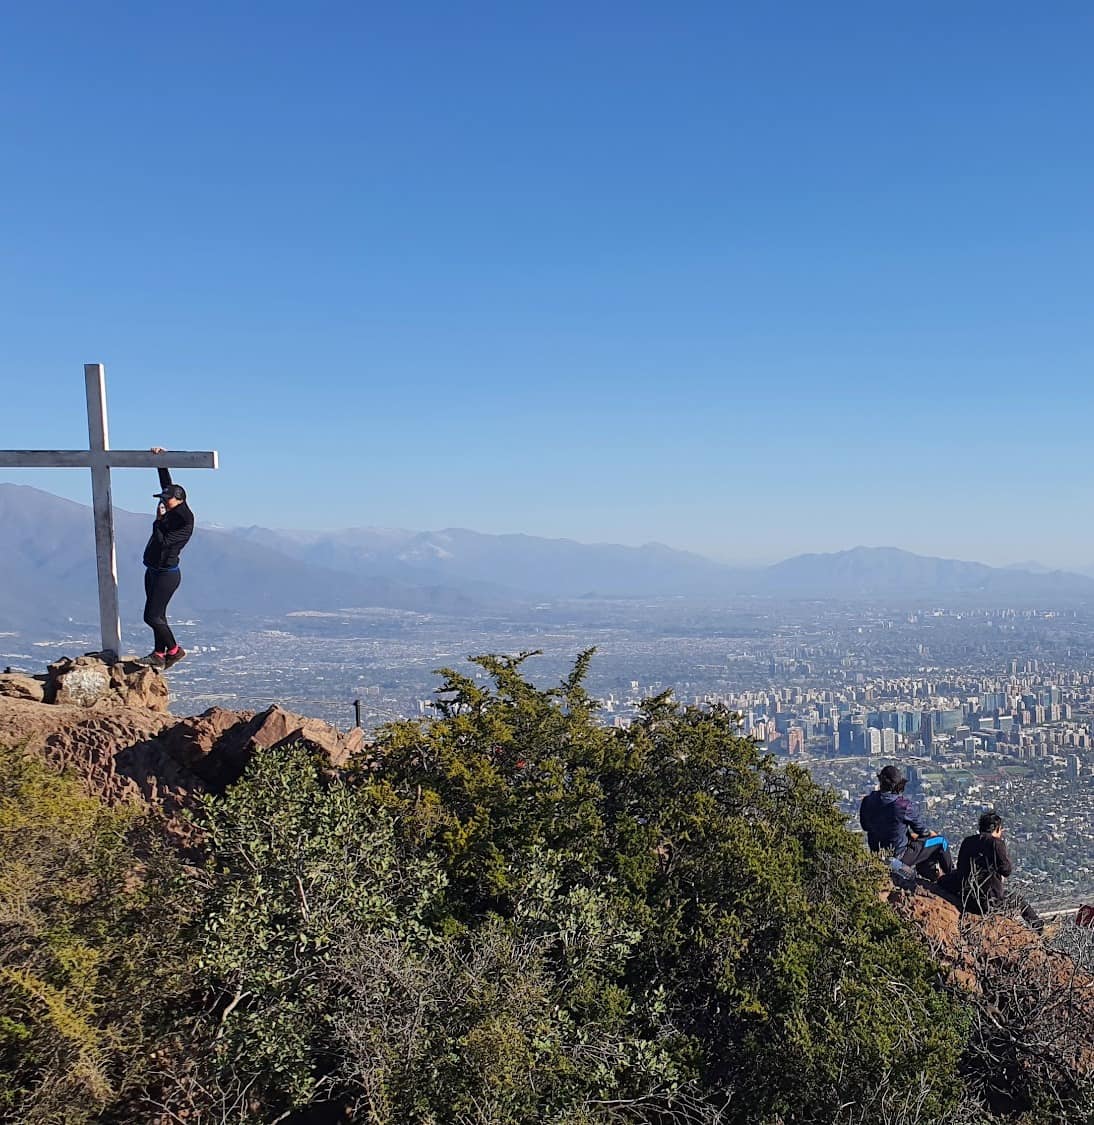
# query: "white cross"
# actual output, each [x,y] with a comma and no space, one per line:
[100,459]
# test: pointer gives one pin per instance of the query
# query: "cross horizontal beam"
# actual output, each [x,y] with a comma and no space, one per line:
[111,458]
[100,459]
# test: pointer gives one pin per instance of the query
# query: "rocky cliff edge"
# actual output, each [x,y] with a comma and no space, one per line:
[109,725]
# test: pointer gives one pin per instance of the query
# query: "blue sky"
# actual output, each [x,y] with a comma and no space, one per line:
[748,279]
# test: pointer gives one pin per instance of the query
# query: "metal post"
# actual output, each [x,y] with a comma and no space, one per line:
[106,559]
[357,712]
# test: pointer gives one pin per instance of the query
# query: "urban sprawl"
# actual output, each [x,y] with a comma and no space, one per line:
[983,707]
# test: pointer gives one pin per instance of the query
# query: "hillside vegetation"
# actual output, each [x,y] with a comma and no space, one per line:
[508,914]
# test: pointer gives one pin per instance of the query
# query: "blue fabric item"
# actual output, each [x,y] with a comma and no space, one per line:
[162,569]
[932,840]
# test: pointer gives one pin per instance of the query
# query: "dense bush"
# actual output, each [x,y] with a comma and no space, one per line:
[299,867]
[93,955]
[758,959]
[508,914]
[516,915]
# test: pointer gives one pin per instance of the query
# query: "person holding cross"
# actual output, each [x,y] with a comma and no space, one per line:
[171,531]
[101,459]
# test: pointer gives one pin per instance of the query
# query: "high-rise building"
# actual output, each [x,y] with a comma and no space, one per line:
[915,783]
[783,719]
[852,735]
[948,720]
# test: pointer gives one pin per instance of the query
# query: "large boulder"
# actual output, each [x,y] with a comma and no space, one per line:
[277,727]
[214,745]
[90,681]
[217,744]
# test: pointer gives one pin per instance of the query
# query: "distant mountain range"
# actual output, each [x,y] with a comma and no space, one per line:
[513,566]
[526,566]
[886,572]
[47,573]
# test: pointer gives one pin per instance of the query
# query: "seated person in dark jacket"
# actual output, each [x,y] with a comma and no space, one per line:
[982,865]
[893,823]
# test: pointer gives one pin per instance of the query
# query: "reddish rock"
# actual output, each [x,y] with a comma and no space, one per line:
[117,754]
[353,742]
[215,745]
[218,744]
[17,686]
[1033,1006]
[89,681]
[108,724]
[278,727]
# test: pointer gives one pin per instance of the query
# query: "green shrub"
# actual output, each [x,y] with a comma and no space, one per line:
[510,914]
[758,957]
[91,951]
[517,915]
[297,861]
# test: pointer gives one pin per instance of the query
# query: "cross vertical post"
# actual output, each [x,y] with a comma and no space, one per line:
[100,459]
[106,555]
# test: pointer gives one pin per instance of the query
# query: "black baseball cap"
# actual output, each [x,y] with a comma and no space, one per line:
[171,492]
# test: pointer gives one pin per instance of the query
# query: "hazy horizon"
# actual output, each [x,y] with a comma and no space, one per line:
[726,559]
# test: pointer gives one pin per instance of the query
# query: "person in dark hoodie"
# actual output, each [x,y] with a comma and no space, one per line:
[893,823]
[982,865]
[171,531]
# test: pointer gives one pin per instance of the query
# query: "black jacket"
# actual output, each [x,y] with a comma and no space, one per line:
[170,533]
[982,864]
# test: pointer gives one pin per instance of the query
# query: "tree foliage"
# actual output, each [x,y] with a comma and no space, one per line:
[507,914]
[759,957]
[92,947]
[514,914]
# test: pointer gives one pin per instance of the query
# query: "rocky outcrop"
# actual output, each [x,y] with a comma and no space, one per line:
[92,683]
[115,753]
[109,725]
[217,744]
[277,726]
[957,939]
[14,685]
[89,681]
[1032,1001]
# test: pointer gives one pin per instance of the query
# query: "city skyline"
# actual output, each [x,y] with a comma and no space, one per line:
[981,706]
[752,284]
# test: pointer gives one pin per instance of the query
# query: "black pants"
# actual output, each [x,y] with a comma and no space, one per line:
[923,855]
[159,587]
